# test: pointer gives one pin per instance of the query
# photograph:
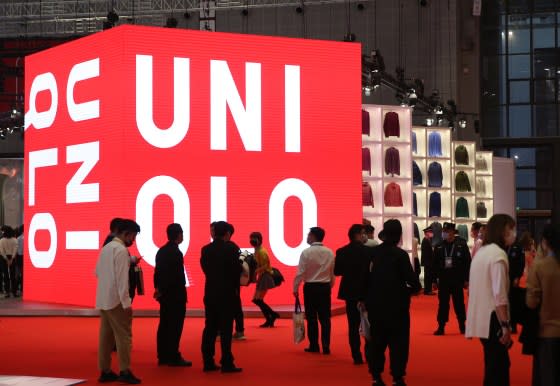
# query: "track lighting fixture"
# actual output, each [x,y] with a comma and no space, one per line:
[462,123]
[429,121]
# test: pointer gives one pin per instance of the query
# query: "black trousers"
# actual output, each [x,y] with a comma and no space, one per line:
[19,265]
[395,334]
[317,302]
[238,316]
[455,292]
[8,276]
[353,317]
[170,329]
[428,279]
[496,357]
[547,362]
[217,318]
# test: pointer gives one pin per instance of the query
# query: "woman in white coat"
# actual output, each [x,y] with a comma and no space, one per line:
[488,310]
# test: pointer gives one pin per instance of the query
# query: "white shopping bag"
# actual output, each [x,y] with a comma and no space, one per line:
[299,323]
[365,327]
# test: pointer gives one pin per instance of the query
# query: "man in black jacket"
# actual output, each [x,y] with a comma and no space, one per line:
[516,260]
[387,288]
[220,264]
[171,293]
[427,262]
[452,262]
[351,261]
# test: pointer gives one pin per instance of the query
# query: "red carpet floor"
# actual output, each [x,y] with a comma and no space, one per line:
[67,347]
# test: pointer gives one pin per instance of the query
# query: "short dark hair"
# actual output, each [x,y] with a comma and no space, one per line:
[128,226]
[256,235]
[220,229]
[318,232]
[476,226]
[173,231]
[115,224]
[495,229]
[8,232]
[354,230]
[369,228]
[230,228]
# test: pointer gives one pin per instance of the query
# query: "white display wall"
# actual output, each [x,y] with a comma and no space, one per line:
[485,186]
[386,172]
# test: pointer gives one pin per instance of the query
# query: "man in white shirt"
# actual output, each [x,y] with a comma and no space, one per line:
[477,233]
[8,251]
[370,241]
[114,304]
[316,270]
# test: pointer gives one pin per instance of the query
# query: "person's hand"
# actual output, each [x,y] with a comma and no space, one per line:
[505,339]
[361,306]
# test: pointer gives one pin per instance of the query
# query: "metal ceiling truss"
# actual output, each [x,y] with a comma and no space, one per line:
[35,18]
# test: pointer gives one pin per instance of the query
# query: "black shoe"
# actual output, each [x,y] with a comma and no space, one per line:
[399,382]
[462,329]
[378,382]
[231,369]
[326,351]
[128,377]
[109,376]
[273,318]
[439,331]
[179,363]
[210,368]
[358,361]
[311,349]
[266,324]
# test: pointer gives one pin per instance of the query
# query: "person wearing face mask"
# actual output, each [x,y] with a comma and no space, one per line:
[114,304]
[543,287]
[488,311]
[264,279]
[316,270]
[451,268]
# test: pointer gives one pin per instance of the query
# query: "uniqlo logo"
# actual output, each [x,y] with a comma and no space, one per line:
[162,126]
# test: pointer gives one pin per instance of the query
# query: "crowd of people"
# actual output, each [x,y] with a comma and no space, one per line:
[377,282]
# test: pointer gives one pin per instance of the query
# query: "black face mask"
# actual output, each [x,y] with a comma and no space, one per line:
[254,242]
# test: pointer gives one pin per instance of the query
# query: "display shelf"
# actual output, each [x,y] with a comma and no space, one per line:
[464,151]
[420,133]
[489,205]
[376,159]
[484,182]
[444,135]
[384,123]
[464,212]
[484,188]
[460,182]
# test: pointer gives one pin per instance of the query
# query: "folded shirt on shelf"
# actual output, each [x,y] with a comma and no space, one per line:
[391,126]
[461,155]
[435,205]
[463,231]
[367,195]
[481,211]
[393,196]
[365,122]
[462,208]
[392,161]
[481,164]
[434,145]
[462,183]
[435,175]
[416,174]
[366,160]
[480,186]
[414,144]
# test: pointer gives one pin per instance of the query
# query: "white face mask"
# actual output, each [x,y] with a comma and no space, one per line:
[444,235]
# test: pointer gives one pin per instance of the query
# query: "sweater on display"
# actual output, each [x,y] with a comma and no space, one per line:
[481,164]
[367,195]
[435,175]
[365,122]
[463,231]
[393,196]
[434,145]
[480,187]
[392,161]
[461,155]
[391,126]
[462,208]
[462,183]
[435,205]
[366,160]
[414,143]
[481,211]
[416,174]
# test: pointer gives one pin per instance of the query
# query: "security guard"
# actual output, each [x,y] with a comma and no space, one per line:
[452,261]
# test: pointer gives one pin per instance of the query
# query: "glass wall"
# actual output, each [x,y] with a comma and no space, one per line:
[520,49]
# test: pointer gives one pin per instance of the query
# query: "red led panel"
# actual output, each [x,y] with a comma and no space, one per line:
[164,125]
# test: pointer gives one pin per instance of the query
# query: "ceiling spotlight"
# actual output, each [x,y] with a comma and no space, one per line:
[2,133]
[367,90]
[429,121]
[439,121]
[462,123]
[299,9]
[438,110]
